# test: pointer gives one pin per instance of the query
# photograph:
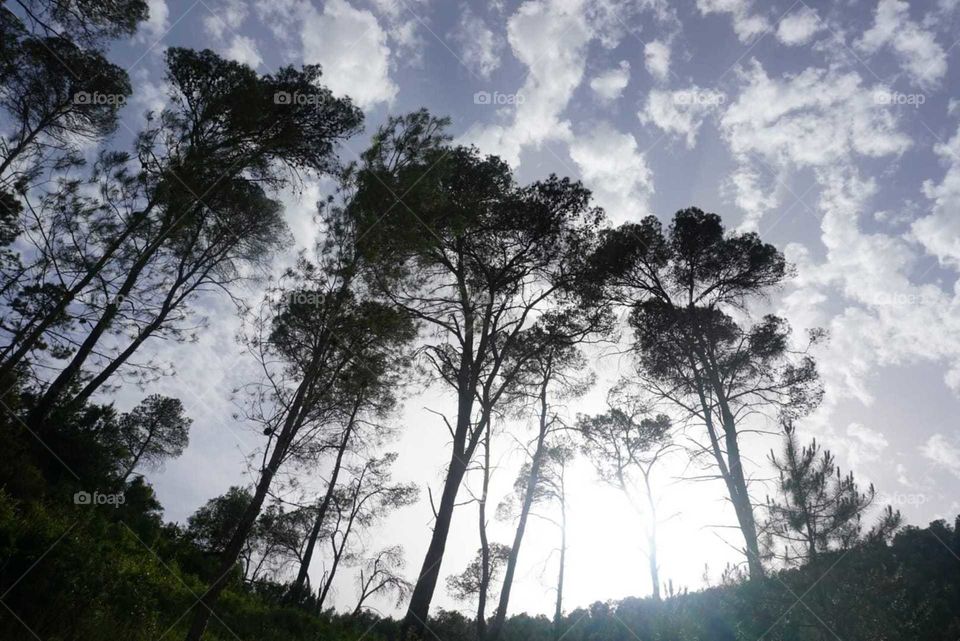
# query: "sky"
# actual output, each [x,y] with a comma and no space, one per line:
[832,129]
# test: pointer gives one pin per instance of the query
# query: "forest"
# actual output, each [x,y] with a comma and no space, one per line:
[435,267]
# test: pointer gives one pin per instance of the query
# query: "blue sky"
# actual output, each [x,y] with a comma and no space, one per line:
[831,128]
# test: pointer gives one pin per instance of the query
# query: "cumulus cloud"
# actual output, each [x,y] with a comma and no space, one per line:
[244,49]
[812,119]
[916,49]
[799,27]
[550,38]
[943,451]
[681,112]
[866,445]
[656,58]
[351,47]
[225,17]
[939,232]
[825,121]
[403,19]
[158,22]
[610,84]
[614,168]
[746,24]
[479,46]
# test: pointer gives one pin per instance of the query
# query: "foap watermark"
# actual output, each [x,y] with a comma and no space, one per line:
[99,498]
[903,498]
[103,299]
[895,299]
[97,98]
[897,99]
[303,298]
[296,98]
[498,99]
[699,97]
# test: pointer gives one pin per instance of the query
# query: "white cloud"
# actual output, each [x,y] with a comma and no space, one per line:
[943,451]
[681,112]
[746,24]
[148,95]
[225,18]
[610,84]
[550,38]
[799,27]
[403,19]
[825,121]
[157,24]
[244,49]
[614,169]
[656,57]
[870,444]
[479,46]
[352,48]
[939,232]
[812,119]
[915,48]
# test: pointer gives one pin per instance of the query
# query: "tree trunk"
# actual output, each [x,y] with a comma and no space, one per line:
[296,590]
[28,342]
[652,556]
[232,552]
[414,624]
[481,621]
[731,469]
[743,507]
[291,425]
[60,384]
[558,612]
[529,493]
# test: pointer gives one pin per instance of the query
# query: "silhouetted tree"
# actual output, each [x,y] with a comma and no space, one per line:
[366,499]
[195,213]
[380,574]
[304,344]
[817,508]
[470,584]
[555,370]
[626,440]
[688,291]
[56,85]
[454,241]
[154,430]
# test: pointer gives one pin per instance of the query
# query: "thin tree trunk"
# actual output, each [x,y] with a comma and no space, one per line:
[230,555]
[652,538]
[232,552]
[481,621]
[28,342]
[558,612]
[532,481]
[731,467]
[72,370]
[415,622]
[296,590]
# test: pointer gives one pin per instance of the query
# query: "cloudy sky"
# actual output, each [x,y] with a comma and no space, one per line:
[831,128]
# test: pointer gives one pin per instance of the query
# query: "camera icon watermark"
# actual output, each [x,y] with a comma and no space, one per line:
[98,498]
[498,99]
[97,98]
[697,97]
[897,99]
[296,98]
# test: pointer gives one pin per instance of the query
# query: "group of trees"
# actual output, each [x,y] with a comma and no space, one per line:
[430,256]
